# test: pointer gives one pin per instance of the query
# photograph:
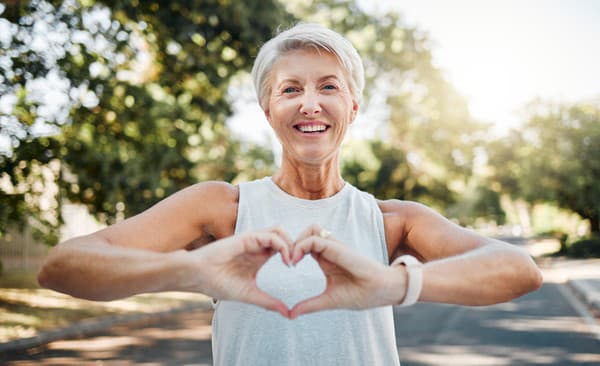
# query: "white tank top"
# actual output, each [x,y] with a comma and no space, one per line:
[248,335]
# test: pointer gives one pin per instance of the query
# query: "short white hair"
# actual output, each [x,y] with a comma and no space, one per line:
[303,36]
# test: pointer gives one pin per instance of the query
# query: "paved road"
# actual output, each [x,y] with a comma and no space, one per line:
[539,329]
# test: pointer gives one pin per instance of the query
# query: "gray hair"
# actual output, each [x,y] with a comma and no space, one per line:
[302,36]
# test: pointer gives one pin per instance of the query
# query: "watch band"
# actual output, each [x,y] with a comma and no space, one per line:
[414,269]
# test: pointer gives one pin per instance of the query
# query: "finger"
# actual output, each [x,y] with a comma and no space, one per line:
[279,231]
[311,305]
[333,251]
[312,230]
[275,242]
[313,245]
[268,302]
[305,246]
[283,235]
[270,241]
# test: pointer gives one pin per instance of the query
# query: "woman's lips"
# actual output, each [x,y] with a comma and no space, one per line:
[311,127]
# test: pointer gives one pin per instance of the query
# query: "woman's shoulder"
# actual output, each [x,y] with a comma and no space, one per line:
[399,218]
[396,207]
[217,190]
[219,201]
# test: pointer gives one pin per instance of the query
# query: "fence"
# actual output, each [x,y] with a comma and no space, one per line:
[20,252]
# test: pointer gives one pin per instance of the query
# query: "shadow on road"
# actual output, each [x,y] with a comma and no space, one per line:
[184,339]
[538,329]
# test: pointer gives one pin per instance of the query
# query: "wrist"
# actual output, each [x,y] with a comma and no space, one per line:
[186,270]
[399,284]
[413,275]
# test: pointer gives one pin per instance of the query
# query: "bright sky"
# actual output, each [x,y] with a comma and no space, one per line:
[499,54]
[502,54]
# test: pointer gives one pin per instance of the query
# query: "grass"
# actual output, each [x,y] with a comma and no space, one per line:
[19,279]
[26,309]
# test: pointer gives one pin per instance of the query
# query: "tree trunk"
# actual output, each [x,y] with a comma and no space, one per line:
[595,225]
[524,213]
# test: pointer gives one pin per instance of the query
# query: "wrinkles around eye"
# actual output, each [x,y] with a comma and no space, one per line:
[291,90]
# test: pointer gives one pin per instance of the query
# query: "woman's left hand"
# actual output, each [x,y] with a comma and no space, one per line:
[353,280]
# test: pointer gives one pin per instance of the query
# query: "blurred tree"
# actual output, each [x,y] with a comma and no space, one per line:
[554,157]
[429,137]
[126,98]
[383,170]
[479,203]
[118,104]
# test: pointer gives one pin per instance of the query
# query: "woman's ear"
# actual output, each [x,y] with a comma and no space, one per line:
[354,110]
[267,113]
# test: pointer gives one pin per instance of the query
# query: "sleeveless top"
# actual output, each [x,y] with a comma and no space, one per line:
[245,334]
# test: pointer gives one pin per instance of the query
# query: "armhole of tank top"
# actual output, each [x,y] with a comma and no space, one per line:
[215,302]
[240,210]
[380,230]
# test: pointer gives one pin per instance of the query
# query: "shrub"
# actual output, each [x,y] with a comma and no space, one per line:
[585,248]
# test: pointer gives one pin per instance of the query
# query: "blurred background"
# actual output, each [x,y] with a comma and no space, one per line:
[487,111]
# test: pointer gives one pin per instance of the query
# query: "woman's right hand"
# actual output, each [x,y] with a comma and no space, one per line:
[228,267]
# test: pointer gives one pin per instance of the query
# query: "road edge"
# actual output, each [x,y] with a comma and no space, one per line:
[586,293]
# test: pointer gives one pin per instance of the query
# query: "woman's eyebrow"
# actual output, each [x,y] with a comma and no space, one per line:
[332,76]
[288,80]
[295,80]
[291,80]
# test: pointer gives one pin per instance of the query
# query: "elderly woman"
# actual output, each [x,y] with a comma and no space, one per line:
[299,242]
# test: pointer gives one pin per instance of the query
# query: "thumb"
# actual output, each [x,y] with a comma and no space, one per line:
[311,305]
[264,300]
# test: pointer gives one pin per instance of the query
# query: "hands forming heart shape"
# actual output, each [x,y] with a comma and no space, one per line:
[230,266]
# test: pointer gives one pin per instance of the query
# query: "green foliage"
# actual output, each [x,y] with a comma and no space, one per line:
[389,175]
[145,87]
[19,279]
[585,248]
[478,203]
[554,158]
[139,105]
[430,138]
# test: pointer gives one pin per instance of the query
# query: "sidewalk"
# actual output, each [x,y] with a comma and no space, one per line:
[94,325]
[581,276]
[140,309]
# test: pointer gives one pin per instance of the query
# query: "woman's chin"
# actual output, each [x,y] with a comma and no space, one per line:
[314,157]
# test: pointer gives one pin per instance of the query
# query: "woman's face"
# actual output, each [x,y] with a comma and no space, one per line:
[311,105]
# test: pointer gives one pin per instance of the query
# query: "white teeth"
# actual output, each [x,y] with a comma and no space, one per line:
[312,128]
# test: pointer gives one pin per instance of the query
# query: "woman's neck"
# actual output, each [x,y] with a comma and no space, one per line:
[309,181]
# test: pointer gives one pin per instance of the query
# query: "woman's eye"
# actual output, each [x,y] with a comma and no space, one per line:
[330,87]
[289,89]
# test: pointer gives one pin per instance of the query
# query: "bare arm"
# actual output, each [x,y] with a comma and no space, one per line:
[88,267]
[461,266]
[143,253]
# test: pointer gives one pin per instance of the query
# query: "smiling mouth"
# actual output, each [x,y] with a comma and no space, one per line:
[311,128]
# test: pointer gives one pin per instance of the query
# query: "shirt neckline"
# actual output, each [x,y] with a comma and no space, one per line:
[306,202]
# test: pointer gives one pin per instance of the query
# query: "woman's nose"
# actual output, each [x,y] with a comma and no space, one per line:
[310,104]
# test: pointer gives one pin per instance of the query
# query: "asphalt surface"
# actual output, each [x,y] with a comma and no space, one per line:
[542,328]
